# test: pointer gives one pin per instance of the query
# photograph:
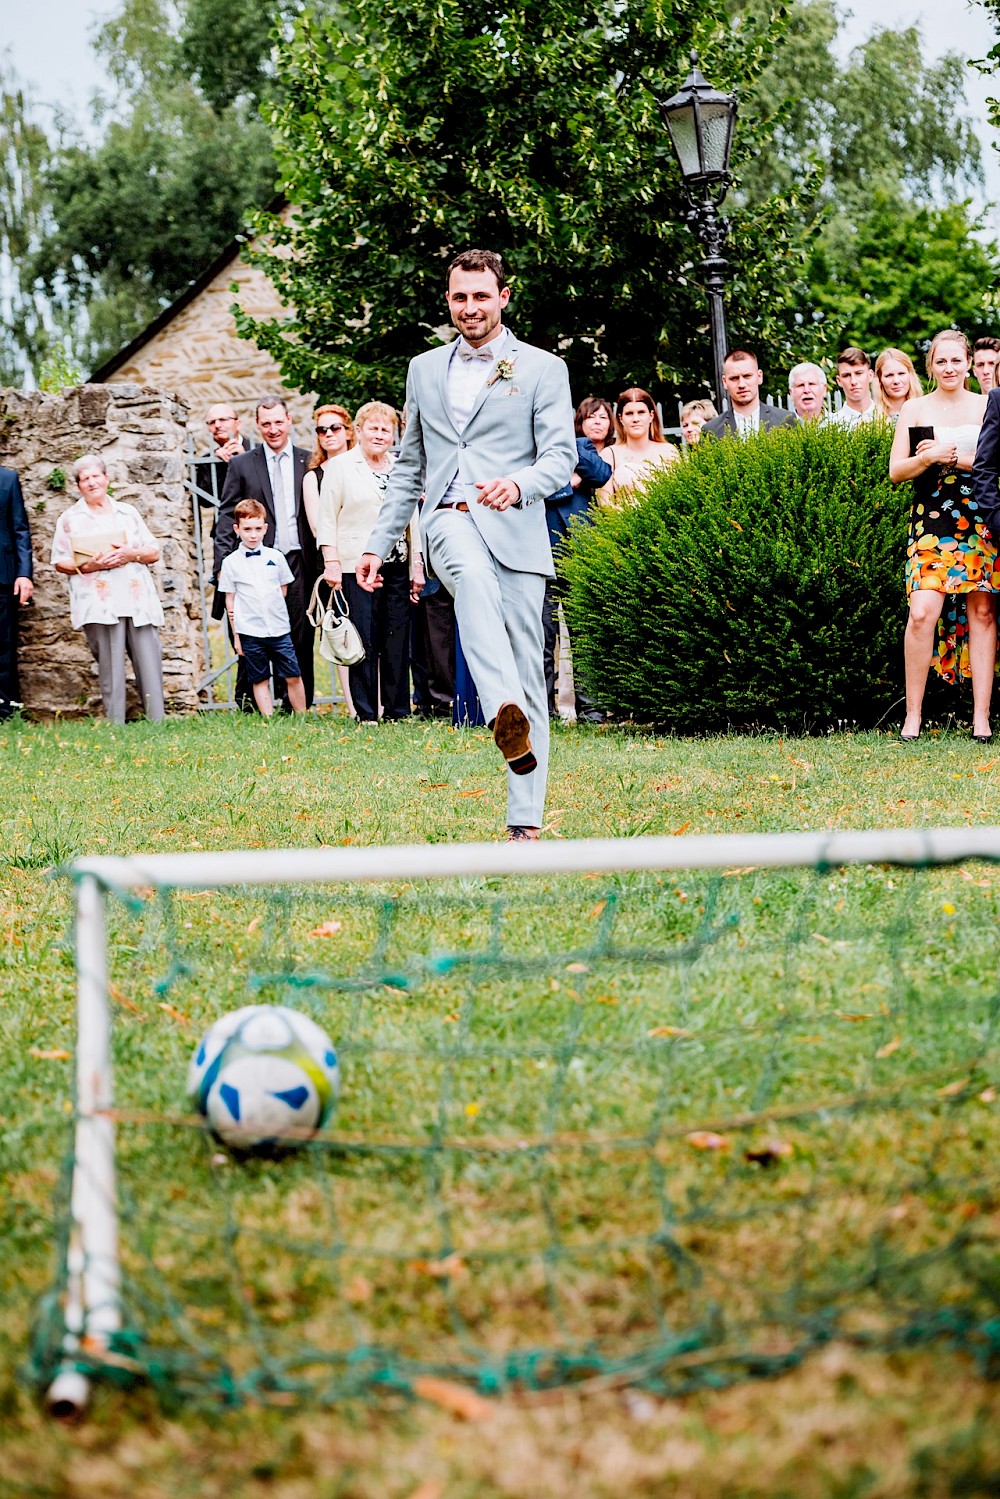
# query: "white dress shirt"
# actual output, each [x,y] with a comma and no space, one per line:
[748,425]
[281,472]
[849,416]
[468,371]
[256,578]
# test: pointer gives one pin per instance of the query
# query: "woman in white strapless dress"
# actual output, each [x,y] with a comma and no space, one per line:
[952,568]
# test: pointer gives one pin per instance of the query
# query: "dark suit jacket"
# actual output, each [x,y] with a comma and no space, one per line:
[206,463]
[986,469]
[15,537]
[770,416]
[247,478]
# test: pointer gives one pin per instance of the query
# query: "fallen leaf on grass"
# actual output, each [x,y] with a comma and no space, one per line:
[327,929]
[988,1095]
[55,1055]
[598,910]
[358,1290]
[766,1152]
[706,1139]
[175,1014]
[438,785]
[577,968]
[481,791]
[253,925]
[846,1015]
[950,1089]
[455,1398]
[123,1000]
[452,1264]
[682,829]
[889,1047]
[668,1030]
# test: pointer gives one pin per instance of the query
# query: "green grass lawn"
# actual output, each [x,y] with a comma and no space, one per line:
[520,1173]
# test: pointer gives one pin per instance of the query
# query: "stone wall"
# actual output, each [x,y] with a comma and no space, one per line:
[141,434]
[200,358]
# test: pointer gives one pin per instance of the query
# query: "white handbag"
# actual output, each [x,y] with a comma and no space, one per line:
[339,640]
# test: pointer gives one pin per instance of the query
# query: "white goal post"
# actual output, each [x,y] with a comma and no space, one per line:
[92,1314]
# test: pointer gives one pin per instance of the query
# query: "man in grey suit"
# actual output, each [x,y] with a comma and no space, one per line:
[747,414]
[489,434]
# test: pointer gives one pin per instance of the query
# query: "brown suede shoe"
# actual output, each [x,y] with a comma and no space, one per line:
[511,732]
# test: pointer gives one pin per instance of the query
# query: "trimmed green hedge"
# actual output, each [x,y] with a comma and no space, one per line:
[755,585]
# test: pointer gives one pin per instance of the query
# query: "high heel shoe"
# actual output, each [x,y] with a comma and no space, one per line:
[909,738]
[983,738]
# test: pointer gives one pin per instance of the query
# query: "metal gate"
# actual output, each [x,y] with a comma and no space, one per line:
[203,480]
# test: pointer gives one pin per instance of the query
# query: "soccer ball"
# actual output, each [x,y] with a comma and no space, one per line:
[264,1074]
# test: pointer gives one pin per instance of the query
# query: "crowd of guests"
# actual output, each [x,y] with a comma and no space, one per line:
[290,520]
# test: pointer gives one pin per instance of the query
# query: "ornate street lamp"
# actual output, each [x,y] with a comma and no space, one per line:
[700,122]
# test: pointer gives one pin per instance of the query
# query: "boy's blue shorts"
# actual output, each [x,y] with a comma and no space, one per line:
[261,653]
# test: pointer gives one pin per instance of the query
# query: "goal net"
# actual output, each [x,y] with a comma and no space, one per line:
[664,1111]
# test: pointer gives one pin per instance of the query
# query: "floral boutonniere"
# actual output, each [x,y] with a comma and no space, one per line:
[503,371]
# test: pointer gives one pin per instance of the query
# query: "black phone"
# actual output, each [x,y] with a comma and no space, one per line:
[918,435]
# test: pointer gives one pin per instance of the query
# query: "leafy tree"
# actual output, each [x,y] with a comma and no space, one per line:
[896,253]
[182,158]
[902,270]
[409,129]
[24,150]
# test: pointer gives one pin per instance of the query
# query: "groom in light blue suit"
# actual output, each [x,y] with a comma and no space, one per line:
[489,434]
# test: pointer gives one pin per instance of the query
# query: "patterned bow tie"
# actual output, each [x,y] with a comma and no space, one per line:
[254,554]
[468,353]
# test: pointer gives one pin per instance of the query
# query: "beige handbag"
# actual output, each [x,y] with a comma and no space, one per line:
[339,641]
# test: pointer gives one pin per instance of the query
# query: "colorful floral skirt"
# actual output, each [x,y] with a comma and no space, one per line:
[950,552]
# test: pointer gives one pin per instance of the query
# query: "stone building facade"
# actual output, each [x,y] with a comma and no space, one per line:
[141,434]
[193,349]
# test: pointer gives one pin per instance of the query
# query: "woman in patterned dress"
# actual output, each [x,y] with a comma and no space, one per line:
[952,569]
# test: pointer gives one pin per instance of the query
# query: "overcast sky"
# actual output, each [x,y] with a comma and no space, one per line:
[49,43]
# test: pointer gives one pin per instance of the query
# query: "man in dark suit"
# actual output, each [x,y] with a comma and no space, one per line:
[16,586]
[746,414]
[986,468]
[273,474]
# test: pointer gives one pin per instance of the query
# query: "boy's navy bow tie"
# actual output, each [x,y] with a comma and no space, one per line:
[254,554]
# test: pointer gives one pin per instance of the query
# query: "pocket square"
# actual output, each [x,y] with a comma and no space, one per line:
[271,562]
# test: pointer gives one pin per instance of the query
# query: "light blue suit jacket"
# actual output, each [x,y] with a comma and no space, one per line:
[521,428]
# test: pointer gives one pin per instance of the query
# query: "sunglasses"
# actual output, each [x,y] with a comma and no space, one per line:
[334,427]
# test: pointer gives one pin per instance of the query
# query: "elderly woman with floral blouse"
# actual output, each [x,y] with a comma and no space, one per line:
[105,549]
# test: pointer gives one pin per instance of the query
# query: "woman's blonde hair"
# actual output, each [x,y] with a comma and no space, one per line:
[376,408]
[318,457]
[634,393]
[916,389]
[953,336]
[702,407]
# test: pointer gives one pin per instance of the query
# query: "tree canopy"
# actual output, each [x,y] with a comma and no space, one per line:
[409,129]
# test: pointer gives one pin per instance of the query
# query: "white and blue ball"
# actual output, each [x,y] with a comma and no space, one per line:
[264,1075]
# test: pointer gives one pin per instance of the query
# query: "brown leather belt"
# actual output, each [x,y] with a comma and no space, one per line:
[453,505]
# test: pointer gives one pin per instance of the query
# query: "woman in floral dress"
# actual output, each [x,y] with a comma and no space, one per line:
[952,569]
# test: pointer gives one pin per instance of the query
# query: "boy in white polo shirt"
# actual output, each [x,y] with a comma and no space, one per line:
[255,579]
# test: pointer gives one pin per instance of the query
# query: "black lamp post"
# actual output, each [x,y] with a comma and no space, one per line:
[700,122]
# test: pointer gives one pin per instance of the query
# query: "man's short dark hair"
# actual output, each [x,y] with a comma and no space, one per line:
[477,260]
[853,357]
[987,342]
[741,354]
[268,403]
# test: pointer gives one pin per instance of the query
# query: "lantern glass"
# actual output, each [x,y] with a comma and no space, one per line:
[683,127]
[717,134]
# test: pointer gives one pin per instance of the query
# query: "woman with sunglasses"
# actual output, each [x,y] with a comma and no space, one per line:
[334,435]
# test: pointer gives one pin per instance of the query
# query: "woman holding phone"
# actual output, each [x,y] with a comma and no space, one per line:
[952,569]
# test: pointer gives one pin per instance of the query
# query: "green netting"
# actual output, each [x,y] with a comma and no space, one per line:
[673,1130]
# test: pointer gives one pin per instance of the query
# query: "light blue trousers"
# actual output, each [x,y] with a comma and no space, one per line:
[499,614]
